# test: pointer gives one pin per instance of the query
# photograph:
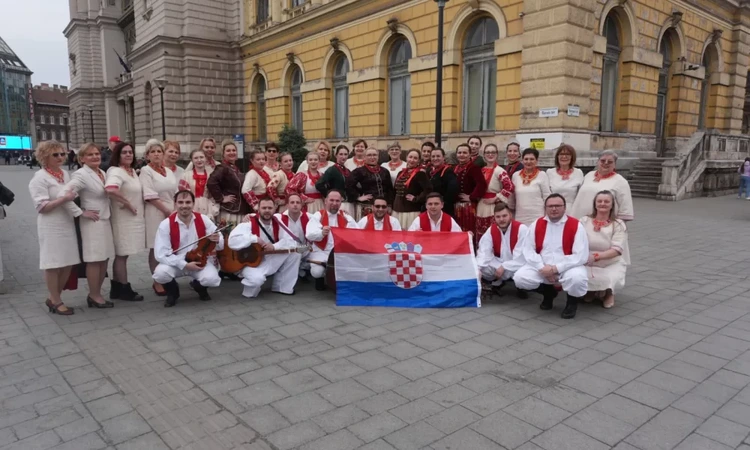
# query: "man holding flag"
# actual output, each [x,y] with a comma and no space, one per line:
[500,252]
[434,219]
[379,219]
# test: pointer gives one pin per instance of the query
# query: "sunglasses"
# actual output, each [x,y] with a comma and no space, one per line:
[272,151]
[57,155]
[380,206]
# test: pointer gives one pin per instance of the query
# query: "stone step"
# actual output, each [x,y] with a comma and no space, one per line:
[647,171]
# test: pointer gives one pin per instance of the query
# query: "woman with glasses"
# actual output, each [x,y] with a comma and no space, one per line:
[604,178]
[368,182]
[272,156]
[128,223]
[565,178]
[56,232]
[499,189]
[531,189]
[396,164]
[323,149]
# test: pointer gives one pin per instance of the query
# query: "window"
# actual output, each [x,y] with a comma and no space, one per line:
[296,3]
[62,136]
[710,58]
[260,104]
[263,10]
[54,134]
[399,88]
[610,75]
[44,135]
[341,98]
[41,118]
[296,98]
[480,75]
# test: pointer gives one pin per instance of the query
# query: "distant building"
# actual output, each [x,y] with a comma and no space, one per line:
[16,109]
[51,112]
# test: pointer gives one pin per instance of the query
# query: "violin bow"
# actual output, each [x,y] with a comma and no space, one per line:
[174,252]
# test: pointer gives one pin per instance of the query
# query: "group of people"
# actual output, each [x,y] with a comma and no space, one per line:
[288,215]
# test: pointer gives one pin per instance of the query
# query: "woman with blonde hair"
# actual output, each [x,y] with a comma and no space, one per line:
[565,178]
[208,145]
[195,180]
[96,230]
[159,186]
[282,177]
[323,149]
[396,164]
[258,184]
[499,189]
[172,153]
[225,186]
[303,184]
[58,247]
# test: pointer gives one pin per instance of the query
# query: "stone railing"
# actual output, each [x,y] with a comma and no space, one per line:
[682,176]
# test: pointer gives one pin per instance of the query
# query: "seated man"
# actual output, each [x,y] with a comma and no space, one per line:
[555,250]
[296,222]
[178,230]
[263,228]
[434,219]
[319,233]
[500,252]
[379,219]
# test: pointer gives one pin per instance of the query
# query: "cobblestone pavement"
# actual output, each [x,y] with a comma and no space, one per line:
[668,367]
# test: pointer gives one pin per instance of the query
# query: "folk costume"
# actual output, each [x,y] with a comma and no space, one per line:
[298,230]
[593,184]
[394,170]
[512,168]
[471,182]
[531,190]
[283,267]
[177,171]
[445,183]
[197,184]
[323,166]
[445,224]
[258,185]
[388,223]
[96,236]
[282,178]
[566,183]
[158,183]
[499,186]
[353,163]
[410,182]
[603,236]
[128,229]
[322,246]
[501,248]
[478,160]
[372,180]
[226,180]
[56,230]
[303,184]
[336,179]
[210,164]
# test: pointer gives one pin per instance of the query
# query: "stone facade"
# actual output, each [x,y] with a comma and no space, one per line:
[51,112]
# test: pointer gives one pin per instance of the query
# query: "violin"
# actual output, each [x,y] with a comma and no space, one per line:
[204,249]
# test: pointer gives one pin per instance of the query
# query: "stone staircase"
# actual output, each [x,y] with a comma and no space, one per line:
[645,177]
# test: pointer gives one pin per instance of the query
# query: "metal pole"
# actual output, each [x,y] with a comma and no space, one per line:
[83,125]
[67,137]
[439,87]
[91,117]
[163,123]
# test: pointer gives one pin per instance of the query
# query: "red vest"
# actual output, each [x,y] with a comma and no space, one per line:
[497,238]
[569,234]
[446,223]
[304,218]
[174,229]
[370,225]
[255,226]
[342,222]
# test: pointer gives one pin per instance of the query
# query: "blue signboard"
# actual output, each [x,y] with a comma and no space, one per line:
[15,142]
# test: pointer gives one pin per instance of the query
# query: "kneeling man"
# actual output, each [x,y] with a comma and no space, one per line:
[379,219]
[500,252]
[296,222]
[319,233]
[434,219]
[178,230]
[263,228]
[555,251]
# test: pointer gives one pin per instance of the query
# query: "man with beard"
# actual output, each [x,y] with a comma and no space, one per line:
[379,219]
[264,229]
[296,222]
[500,252]
[319,233]
[179,229]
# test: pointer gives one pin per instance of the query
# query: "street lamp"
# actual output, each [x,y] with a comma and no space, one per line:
[91,117]
[439,87]
[161,83]
[67,144]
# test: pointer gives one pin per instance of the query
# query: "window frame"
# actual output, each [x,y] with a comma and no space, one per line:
[398,71]
[260,105]
[610,71]
[296,98]
[484,57]
[340,86]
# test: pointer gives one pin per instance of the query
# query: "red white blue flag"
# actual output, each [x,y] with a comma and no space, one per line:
[405,269]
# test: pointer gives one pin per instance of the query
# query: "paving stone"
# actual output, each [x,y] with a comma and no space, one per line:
[566,398]
[302,406]
[505,429]
[563,437]
[344,392]
[451,395]
[265,420]
[697,405]
[301,381]
[414,368]
[736,412]
[591,384]
[296,435]
[109,407]
[258,394]
[414,437]
[452,419]
[465,438]
[125,427]
[668,382]
[376,427]
[340,418]
[647,394]
[416,410]
[537,412]
[381,380]
[664,431]
[698,442]
[90,441]
[600,426]
[338,370]
[487,403]
[417,389]
[729,433]
[146,442]
[339,440]
[381,402]
[624,409]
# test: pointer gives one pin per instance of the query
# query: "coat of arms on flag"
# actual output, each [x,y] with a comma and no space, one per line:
[405,264]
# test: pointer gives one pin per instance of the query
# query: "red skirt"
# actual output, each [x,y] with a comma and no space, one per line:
[483,224]
[466,215]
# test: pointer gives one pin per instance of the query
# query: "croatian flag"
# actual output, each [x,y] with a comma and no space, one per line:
[405,269]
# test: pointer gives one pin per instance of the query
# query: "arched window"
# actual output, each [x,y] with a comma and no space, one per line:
[662,93]
[296,79]
[340,98]
[44,135]
[480,75]
[399,88]
[711,63]
[610,74]
[260,105]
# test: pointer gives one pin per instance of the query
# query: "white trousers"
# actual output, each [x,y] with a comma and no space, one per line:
[283,268]
[316,270]
[574,281]
[488,273]
[207,277]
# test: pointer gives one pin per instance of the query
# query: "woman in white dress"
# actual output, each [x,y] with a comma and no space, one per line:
[195,180]
[171,156]
[608,247]
[303,184]
[565,179]
[282,178]
[499,189]
[159,187]
[396,164]
[259,183]
[323,149]
[604,178]
[58,245]
[358,155]
[128,224]
[96,228]
[531,189]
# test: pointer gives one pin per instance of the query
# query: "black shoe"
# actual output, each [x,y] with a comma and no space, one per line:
[570,308]
[92,304]
[173,293]
[522,294]
[201,290]
[283,293]
[128,294]
[320,284]
[115,289]
[496,289]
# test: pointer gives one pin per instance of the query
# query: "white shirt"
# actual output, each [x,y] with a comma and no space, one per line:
[295,226]
[552,251]
[395,225]
[511,261]
[188,233]
[394,173]
[435,226]
[315,228]
[242,236]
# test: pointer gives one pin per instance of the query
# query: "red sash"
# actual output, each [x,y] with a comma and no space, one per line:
[497,238]
[342,222]
[304,218]
[445,224]
[569,234]
[256,228]
[174,229]
[370,225]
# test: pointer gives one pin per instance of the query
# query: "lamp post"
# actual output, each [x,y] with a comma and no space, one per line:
[91,118]
[439,87]
[67,144]
[161,83]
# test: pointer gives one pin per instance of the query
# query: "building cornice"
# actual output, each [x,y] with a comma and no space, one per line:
[179,44]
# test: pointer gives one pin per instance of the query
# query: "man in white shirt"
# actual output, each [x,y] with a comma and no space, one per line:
[264,229]
[379,219]
[296,221]
[500,252]
[434,219]
[555,251]
[319,233]
[177,231]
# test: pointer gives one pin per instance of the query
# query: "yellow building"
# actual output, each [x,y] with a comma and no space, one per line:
[625,74]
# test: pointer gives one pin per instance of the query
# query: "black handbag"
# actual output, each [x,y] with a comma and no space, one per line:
[6,195]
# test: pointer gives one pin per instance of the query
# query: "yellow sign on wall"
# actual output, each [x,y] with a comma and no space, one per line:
[537,143]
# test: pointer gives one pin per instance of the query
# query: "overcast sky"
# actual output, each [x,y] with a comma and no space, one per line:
[33,29]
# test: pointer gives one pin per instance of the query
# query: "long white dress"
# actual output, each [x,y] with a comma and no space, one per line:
[394,173]
[567,188]
[608,274]
[617,184]
[128,229]
[156,186]
[56,231]
[96,236]
[529,198]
